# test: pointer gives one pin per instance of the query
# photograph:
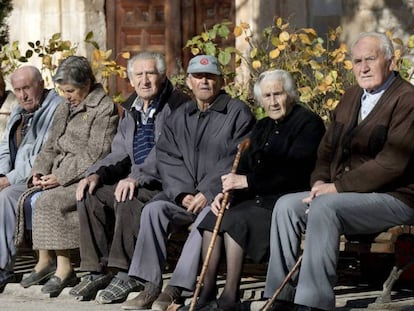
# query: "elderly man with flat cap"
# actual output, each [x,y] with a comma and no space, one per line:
[197,146]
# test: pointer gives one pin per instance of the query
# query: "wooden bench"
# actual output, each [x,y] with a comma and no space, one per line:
[393,241]
[387,242]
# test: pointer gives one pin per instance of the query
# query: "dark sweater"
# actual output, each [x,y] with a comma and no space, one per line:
[375,155]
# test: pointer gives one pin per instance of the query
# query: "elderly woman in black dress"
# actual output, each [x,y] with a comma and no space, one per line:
[279,160]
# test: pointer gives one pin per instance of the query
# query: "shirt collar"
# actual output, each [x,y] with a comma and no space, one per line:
[384,86]
[219,104]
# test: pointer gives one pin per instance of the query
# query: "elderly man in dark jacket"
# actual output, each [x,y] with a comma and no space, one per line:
[363,180]
[112,195]
[197,146]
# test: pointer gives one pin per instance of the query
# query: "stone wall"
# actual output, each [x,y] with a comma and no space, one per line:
[38,19]
[377,15]
[33,20]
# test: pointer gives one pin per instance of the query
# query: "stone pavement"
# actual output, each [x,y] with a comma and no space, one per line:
[352,293]
[16,298]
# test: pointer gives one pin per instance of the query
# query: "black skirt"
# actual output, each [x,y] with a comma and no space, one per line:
[248,223]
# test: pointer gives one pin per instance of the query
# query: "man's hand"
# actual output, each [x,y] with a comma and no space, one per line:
[4,182]
[198,203]
[233,181]
[88,182]
[125,189]
[318,189]
[187,200]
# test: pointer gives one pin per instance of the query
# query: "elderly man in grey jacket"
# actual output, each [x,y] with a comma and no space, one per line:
[197,146]
[26,131]
[115,189]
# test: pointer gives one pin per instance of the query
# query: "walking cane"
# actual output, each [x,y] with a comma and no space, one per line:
[272,299]
[242,146]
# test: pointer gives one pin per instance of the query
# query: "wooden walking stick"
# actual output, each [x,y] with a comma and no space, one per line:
[272,299]
[242,146]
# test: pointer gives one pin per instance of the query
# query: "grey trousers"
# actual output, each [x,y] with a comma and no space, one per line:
[150,250]
[327,217]
[8,206]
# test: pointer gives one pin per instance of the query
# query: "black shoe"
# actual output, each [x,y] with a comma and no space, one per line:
[200,306]
[55,285]
[282,305]
[6,277]
[306,308]
[227,306]
[89,286]
[38,277]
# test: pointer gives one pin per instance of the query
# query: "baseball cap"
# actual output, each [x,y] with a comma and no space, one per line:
[204,64]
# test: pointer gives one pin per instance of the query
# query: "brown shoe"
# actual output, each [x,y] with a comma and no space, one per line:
[144,299]
[169,295]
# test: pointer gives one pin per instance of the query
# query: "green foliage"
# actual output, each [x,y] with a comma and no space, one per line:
[320,65]
[209,43]
[54,50]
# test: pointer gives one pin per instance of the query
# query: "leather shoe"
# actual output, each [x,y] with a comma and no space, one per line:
[282,305]
[55,285]
[306,308]
[199,306]
[144,299]
[38,277]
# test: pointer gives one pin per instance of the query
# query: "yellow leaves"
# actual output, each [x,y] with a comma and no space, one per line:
[397,54]
[99,55]
[310,31]
[253,53]
[347,65]
[256,64]
[410,42]
[279,22]
[238,31]
[244,25]
[205,36]
[331,104]
[195,51]
[284,36]
[304,38]
[274,53]
[280,25]
[126,55]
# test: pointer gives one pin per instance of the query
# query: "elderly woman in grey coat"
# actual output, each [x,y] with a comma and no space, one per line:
[81,134]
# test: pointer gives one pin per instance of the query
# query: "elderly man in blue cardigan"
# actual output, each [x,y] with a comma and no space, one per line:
[26,131]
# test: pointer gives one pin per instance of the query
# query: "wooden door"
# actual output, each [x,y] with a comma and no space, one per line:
[160,25]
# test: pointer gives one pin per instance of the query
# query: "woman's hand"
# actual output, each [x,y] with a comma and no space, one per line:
[233,181]
[216,205]
[36,180]
[48,181]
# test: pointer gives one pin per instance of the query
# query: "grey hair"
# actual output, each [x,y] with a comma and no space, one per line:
[74,70]
[289,84]
[158,57]
[387,47]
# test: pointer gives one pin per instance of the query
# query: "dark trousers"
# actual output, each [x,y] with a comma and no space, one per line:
[109,229]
